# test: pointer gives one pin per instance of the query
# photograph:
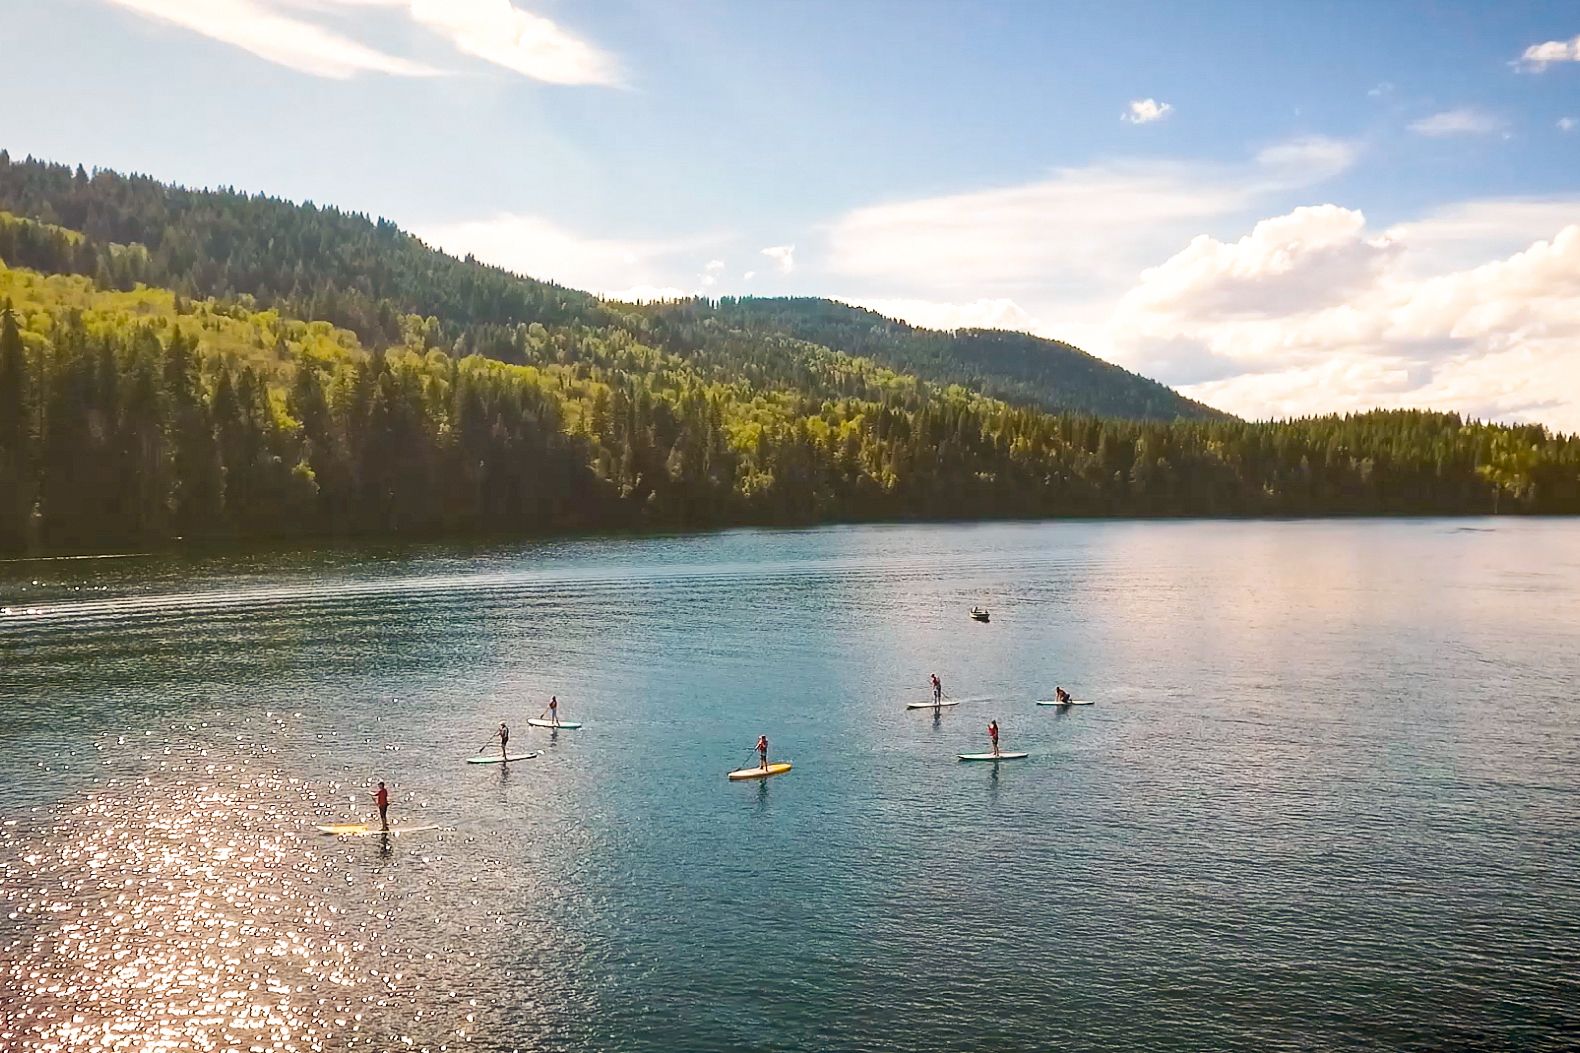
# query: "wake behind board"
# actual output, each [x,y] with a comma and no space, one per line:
[1056,702]
[371,829]
[494,758]
[993,756]
[932,705]
[564,725]
[777,768]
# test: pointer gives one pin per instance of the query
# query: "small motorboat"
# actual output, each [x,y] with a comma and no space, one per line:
[979,614]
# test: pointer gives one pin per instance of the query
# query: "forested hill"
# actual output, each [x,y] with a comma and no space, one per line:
[258,369]
[325,264]
[1015,367]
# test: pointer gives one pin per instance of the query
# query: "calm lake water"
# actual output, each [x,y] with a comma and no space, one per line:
[1328,796]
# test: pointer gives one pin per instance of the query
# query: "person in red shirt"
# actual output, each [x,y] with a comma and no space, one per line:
[993,734]
[382,799]
[938,691]
[762,750]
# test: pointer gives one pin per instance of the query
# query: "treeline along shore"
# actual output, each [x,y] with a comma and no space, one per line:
[199,364]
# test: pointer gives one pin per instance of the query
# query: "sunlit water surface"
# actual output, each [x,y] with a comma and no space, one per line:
[1329,795]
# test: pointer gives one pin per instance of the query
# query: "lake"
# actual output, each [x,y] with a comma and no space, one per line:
[1328,794]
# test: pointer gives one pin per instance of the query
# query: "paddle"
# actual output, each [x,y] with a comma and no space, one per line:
[751,750]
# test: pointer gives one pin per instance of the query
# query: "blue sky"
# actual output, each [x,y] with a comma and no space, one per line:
[1280,208]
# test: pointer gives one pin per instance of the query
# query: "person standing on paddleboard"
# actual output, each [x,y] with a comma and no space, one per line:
[938,691]
[382,798]
[762,750]
[504,740]
[993,734]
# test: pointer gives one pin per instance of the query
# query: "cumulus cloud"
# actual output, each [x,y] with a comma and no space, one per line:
[1145,111]
[1538,57]
[783,257]
[1466,120]
[1075,238]
[1313,312]
[710,273]
[621,268]
[256,27]
[280,31]
[1567,124]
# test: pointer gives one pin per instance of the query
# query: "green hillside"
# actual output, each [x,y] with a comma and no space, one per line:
[1016,367]
[325,264]
[306,372]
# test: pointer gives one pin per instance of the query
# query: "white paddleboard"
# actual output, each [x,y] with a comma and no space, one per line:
[564,725]
[994,756]
[933,705]
[1056,702]
[494,758]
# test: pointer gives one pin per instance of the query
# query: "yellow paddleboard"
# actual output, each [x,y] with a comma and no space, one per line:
[370,829]
[344,828]
[760,772]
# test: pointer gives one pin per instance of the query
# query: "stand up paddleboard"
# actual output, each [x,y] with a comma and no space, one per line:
[564,725]
[370,829]
[495,758]
[933,705]
[993,756]
[777,768]
[1056,702]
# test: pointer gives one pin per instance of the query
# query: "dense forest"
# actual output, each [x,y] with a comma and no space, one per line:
[209,365]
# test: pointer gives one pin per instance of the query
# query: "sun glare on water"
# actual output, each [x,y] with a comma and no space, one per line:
[191,915]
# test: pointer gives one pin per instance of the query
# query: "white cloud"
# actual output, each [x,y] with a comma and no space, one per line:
[540,248]
[1466,120]
[1308,158]
[1567,124]
[499,32]
[1068,244]
[1145,111]
[1538,57]
[710,273]
[1383,88]
[783,256]
[748,276]
[1311,312]
[492,30]
[255,27]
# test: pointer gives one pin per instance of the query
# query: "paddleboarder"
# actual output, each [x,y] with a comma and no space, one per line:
[382,798]
[1062,695]
[762,750]
[993,734]
[938,691]
[504,741]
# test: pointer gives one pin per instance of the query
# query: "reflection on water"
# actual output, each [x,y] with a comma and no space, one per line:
[198,909]
[1325,798]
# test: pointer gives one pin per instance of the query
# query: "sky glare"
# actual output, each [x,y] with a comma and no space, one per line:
[1280,209]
